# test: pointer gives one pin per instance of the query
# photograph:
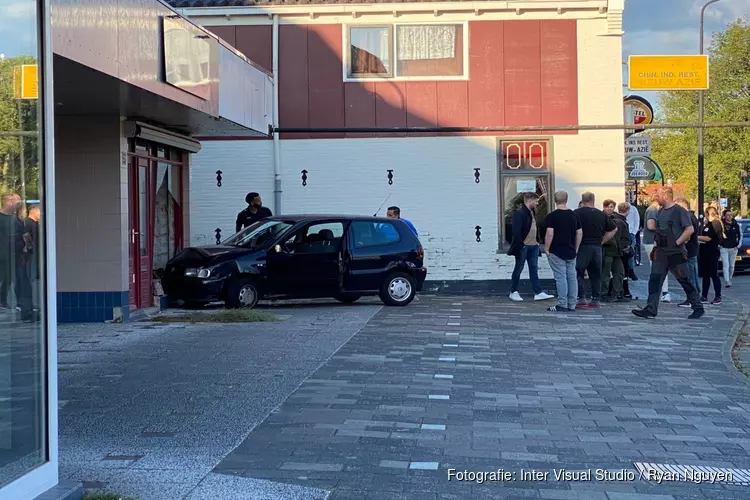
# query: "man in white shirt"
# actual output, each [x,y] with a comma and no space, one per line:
[634,223]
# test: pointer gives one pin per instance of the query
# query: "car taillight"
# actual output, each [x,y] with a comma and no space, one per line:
[420,252]
[747,251]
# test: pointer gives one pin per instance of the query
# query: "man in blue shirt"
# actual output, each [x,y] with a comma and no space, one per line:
[395,213]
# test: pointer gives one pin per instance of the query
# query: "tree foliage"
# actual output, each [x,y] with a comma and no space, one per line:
[10,147]
[727,150]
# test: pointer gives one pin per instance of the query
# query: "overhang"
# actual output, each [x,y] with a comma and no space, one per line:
[139,59]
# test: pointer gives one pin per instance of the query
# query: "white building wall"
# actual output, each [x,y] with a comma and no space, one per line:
[433,177]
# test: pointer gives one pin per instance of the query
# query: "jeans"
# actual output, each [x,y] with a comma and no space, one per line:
[528,254]
[693,271]
[23,286]
[631,259]
[665,286]
[589,259]
[613,270]
[728,259]
[566,279]
[662,264]
[34,282]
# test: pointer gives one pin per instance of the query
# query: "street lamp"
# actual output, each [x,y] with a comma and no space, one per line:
[701,158]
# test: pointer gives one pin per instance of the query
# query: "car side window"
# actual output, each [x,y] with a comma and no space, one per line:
[316,238]
[373,234]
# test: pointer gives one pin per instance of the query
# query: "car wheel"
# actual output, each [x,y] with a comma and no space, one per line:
[242,293]
[398,290]
[348,299]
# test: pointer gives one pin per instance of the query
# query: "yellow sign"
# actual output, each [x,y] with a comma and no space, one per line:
[668,72]
[26,82]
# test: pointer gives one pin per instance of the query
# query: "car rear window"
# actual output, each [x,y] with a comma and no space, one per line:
[373,234]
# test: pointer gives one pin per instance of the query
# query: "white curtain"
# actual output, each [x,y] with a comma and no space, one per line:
[425,42]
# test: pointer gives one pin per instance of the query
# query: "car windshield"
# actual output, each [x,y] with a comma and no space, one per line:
[260,235]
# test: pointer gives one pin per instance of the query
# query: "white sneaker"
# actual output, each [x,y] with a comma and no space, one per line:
[543,296]
[515,297]
[666,297]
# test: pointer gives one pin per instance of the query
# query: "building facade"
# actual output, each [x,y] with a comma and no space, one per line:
[100,110]
[344,65]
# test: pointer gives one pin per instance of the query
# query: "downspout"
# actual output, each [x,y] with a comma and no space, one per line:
[276,144]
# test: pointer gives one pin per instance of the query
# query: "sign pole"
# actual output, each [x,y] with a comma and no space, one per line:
[22,159]
[701,130]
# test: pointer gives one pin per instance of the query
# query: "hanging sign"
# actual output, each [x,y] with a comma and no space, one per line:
[642,111]
[668,72]
[638,145]
[642,168]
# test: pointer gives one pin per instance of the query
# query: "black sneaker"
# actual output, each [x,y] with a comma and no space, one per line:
[704,300]
[628,296]
[557,309]
[642,313]
[572,309]
[684,304]
[716,301]
[623,298]
[697,314]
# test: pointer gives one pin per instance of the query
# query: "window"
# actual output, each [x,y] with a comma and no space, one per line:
[407,51]
[524,167]
[316,238]
[373,234]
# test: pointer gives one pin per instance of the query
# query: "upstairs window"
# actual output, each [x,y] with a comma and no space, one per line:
[406,51]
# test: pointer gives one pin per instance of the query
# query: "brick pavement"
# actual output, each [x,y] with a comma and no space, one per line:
[482,384]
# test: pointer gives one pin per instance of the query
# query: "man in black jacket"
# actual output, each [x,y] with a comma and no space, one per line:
[254,212]
[525,248]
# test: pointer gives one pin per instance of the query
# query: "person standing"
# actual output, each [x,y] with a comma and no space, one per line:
[633,218]
[525,248]
[648,243]
[627,242]
[672,228]
[254,212]
[32,232]
[692,248]
[8,245]
[730,245]
[709,254]
[395,213]
[562,239]
[598,229]
[613,271]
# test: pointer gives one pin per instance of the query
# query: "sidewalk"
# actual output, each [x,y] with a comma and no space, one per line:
[481,384]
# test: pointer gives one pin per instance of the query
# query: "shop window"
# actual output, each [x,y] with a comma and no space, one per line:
[168,213]
[406,51]
[524,167]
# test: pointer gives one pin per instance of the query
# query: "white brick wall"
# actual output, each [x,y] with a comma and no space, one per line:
[433,177]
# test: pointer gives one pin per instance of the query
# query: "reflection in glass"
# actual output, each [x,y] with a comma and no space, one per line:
[370,51]
[23,439]
[514,186]
[168,217]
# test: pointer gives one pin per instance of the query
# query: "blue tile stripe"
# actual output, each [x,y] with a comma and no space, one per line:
[89,307]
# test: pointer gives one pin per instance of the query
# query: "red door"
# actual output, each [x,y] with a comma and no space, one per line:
[141,258]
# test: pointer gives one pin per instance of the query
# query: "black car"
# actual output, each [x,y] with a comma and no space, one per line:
[304,256]
[743,256]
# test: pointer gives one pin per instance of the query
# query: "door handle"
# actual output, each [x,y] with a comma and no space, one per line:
[133,232]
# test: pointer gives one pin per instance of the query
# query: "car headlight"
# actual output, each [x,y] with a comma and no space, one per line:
[197,272]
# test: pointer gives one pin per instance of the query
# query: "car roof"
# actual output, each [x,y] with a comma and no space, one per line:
[312,217]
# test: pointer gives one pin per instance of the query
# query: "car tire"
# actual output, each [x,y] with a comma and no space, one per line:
[348,299]
[242,293]
[398,290]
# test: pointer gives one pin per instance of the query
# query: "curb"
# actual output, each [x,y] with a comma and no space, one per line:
[730,342]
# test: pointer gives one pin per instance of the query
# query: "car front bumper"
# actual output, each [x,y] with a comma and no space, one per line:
[190,289]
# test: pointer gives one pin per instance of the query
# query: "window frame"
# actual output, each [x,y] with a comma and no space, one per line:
[393,76]
[549,173]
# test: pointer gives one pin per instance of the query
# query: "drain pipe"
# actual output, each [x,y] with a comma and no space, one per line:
[276,145]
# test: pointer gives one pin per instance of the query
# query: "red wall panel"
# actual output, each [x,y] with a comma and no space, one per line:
[453,105]
[325,78]
[523,73]
[226,33]
[559,59]
[360,106]
[293,88]
[256,42]
[390,106]
[486,76]
[421,105]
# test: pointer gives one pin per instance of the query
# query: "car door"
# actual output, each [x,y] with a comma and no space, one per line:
[370,254]
[309,261]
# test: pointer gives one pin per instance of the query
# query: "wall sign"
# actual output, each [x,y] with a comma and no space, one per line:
[526,186]
[640,146]
[642,168]
[524,155]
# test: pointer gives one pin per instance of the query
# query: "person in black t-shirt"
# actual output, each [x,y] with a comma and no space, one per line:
[562,238]
[597,230]
[254,212]
[692,248]
[709,254]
